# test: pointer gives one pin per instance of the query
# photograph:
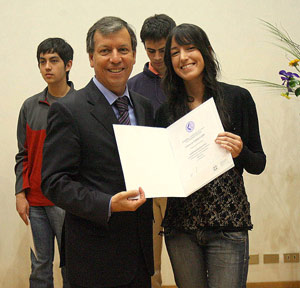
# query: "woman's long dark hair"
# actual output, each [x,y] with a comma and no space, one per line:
[173,85]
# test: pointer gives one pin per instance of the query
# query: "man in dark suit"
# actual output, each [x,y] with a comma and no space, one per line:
[108,235]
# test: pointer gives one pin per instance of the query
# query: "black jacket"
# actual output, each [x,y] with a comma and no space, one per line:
[81,172]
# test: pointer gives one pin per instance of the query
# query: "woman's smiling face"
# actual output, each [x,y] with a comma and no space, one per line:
[187,61]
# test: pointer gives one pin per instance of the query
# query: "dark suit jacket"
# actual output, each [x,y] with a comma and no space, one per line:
[81,172]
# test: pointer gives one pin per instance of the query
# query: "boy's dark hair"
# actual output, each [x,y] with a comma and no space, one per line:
[157,27]
[56,45]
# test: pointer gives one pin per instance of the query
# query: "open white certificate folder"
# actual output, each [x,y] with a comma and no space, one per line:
[174,161]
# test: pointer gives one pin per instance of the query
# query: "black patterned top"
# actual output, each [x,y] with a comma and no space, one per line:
[221,204]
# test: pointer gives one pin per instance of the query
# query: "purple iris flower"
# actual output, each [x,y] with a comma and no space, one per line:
[287,77]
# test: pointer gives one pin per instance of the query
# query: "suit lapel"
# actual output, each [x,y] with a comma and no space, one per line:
[100,108]
[138,108]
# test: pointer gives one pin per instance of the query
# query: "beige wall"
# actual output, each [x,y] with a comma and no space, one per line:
[244,51]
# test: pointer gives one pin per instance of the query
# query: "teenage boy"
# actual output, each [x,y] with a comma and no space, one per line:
[154,32]
[55,58]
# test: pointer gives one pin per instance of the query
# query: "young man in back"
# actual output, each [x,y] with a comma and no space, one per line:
[153,34]
[55,58]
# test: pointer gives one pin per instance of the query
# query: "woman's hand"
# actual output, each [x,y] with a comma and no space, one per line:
[231,142]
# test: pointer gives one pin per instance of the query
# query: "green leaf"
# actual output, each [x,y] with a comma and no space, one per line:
[264,83]
[297,92]
[283,38]
[293,83]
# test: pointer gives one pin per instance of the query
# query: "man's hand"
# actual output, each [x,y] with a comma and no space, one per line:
[22,206]
[121,202]
[231,142]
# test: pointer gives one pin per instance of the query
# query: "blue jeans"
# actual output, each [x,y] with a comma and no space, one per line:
[46,223]
[209,259]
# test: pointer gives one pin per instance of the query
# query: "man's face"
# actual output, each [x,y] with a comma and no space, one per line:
[156,51]
[53,68]
[113,59]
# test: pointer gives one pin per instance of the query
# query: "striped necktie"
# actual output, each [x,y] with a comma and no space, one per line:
[122,105]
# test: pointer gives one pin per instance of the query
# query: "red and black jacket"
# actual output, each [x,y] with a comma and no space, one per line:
[31,134]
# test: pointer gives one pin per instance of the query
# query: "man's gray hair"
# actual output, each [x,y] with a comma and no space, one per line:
[108,25]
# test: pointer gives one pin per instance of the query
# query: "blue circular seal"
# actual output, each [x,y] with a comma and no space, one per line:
[189,127]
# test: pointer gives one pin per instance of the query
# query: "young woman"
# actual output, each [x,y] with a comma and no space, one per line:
[206,233]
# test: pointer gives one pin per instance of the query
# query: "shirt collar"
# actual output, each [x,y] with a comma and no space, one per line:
[110,96]
[151,68]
